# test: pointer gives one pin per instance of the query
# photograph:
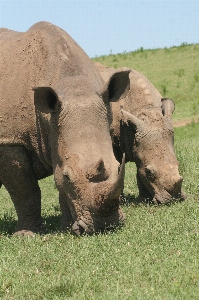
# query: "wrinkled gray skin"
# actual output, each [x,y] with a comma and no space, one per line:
[142,129]
[54,111]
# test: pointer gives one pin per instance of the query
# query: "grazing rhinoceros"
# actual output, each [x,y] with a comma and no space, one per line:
[54,111]
[142,129]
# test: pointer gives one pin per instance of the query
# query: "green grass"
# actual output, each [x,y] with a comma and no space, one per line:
[154,256]
[173,71]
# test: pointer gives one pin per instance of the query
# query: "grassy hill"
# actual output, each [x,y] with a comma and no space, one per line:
[173,71]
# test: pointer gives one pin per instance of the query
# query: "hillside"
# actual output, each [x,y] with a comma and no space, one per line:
[173,71]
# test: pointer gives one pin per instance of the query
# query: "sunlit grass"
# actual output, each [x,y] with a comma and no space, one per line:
[154,256]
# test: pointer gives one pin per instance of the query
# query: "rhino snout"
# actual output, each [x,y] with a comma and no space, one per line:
[98,223]
[170,191]
[95,202]
[175,188]
[174,185]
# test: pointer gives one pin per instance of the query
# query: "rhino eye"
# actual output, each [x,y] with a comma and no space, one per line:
[149,171]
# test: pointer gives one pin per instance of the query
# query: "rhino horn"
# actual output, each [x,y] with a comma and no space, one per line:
[106,194]
[133,120]
[119,184]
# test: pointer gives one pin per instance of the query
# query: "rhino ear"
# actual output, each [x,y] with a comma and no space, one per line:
[117,86]
[168,107]
[45,99]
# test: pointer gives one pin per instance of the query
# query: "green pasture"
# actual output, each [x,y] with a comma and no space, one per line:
[155,255]
[173,71]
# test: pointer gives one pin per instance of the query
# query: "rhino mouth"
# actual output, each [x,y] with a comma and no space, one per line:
[166,197]
[162,197]
[103,210]
[98,223]
[158,194]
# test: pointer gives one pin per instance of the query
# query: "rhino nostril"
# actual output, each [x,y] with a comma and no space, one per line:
[77,229]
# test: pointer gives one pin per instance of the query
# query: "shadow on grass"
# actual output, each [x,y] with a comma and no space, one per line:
[59,291]
[128,200]
[53,222]
[8,224]
[132,200]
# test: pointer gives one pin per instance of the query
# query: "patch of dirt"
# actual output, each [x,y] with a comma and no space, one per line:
[185,122]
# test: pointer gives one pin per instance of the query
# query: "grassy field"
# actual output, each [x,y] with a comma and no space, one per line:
[173,71]
[154,256]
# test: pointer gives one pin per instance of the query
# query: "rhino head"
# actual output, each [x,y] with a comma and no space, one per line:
[142,128]
[152,148]
[88,177]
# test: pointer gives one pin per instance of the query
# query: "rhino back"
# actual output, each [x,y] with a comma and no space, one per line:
[45,55]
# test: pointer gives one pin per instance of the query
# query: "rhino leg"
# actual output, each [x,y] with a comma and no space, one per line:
[144,195]
[17,175]
[66,220]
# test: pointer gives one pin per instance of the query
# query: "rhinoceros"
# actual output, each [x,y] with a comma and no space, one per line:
[54,119]
[142,128]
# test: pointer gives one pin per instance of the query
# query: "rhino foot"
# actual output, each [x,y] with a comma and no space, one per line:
[24,233]
[39,229]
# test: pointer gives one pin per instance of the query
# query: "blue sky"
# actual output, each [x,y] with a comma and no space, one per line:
[110,26]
